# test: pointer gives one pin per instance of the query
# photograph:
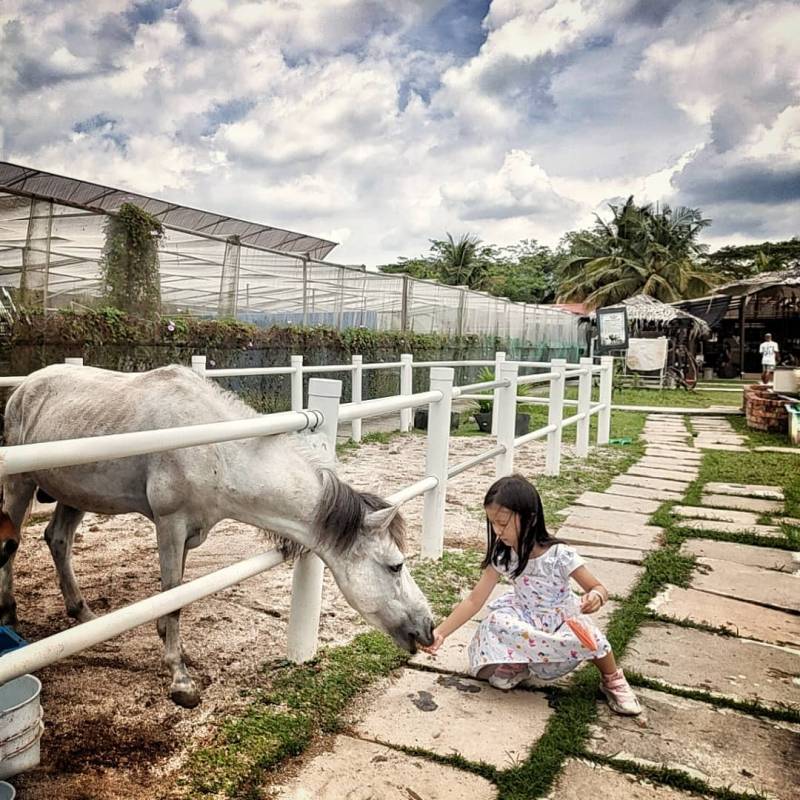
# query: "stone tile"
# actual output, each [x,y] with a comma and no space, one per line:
[741,618]
[746,490]
[738,668]
[606,538]
[697,738]
[450,715]
[680,471]
[691,456]
[742,503]
[719,514]
[362,770]
[731,448]
[619,578]
[745,582]
[623,554]
[653,483]
[617,503]
[730,527]
[452,656]
[606,520]
[664,474]
[791,521]
[580,780]
[765,557]
[627,490]
[793,451]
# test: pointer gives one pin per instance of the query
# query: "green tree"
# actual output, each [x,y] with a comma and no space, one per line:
[129,264]
[525,272]
[744,261]
[641,249]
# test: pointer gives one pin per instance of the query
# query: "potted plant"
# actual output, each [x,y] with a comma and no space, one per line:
[483,416]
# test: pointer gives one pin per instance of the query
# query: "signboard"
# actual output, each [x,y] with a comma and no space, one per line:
[612,329]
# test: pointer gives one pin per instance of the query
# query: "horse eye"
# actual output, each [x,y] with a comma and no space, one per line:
[395,567]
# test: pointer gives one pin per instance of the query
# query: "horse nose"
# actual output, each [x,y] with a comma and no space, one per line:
[9,547]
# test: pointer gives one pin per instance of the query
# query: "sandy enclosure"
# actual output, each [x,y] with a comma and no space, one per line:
[111,731]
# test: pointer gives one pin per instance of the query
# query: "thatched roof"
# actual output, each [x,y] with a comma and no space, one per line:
[764,280]
[643,308]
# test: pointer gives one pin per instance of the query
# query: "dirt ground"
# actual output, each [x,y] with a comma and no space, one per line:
[111,732]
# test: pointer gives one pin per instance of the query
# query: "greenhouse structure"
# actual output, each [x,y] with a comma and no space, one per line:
[52,233]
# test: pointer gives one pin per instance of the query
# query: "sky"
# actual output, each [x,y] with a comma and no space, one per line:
[381,124]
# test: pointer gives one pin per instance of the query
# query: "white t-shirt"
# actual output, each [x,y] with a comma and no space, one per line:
[768,351]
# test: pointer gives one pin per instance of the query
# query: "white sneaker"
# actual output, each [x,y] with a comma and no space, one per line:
[619,694]
[505,677]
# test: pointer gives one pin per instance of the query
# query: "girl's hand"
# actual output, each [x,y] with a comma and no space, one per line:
[591,602]
[438,641]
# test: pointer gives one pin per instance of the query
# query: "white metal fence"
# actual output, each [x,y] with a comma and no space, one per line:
[323,413]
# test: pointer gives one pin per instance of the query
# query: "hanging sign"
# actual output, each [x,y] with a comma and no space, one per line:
[612,329]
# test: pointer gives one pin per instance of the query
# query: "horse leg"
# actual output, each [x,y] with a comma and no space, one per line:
[60,536]
[17,494]
[172,534]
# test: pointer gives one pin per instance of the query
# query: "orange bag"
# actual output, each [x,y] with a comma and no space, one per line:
[584,637]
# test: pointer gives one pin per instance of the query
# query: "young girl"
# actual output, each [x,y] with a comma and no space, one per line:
[527,632]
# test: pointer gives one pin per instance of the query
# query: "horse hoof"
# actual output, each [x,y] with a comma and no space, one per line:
[185,696]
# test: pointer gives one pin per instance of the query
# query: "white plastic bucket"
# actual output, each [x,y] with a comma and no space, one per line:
[7,791]
[20,725]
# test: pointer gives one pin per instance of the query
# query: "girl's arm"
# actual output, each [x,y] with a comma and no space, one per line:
[596,594]
[466,609]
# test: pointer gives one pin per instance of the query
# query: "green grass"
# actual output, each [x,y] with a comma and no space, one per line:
[376,437]
[443,581]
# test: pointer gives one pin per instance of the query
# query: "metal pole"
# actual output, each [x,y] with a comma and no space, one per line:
[506,405]
[404,305]
[297,383]
[358,374]
[436,463]
[305,292]
[742,310]
[584,404]
[499,358]
[303,630]
[555,417]
[406,384]
[606,386]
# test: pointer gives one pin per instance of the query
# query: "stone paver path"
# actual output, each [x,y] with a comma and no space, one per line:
[751,592]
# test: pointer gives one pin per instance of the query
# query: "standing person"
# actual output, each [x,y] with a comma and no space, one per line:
[541,628]
[769,351]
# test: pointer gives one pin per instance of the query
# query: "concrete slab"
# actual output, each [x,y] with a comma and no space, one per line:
[679,470]
[626,490]
[580,780]
[451,715]
[626,555]
[743,619]
[765,557]
[792,451]
[725,665]
[664,474]
[697,738]
[607,520]
[452,656]
[746,490]
[730,527]
[730,448]
[607,539]
[742,503]
[776,590]
[653,483]
[791,521]
[719,514]
[617,503]
[363,770]
[691,456]
[617,577]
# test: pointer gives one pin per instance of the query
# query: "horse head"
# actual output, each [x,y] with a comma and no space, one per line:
[9,538]
[360,538]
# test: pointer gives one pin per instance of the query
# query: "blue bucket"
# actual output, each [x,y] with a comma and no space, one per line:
[7,791]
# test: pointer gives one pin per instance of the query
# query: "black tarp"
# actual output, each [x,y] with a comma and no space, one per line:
[710,309]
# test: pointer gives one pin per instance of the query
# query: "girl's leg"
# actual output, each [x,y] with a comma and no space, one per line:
[616,688]
[607,664]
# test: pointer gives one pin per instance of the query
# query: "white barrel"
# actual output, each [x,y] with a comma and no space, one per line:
[20,725]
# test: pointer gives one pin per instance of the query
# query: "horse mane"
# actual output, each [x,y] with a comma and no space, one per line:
[340,515]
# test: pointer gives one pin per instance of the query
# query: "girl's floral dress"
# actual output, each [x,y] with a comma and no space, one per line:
[527,625]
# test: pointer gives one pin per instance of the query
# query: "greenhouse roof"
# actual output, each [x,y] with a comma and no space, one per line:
[29,182]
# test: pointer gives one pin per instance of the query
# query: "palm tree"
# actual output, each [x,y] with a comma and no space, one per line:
[463,262]
[640,250]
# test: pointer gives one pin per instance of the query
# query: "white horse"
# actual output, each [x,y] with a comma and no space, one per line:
[273,482]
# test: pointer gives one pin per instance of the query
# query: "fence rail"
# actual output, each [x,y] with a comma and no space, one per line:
[323,414]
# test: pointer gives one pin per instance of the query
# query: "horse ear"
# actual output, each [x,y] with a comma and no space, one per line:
[379,521]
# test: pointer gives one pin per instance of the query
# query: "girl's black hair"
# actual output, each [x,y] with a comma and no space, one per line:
[520,496]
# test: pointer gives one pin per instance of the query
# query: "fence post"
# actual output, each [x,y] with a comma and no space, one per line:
[584,404]
[199,365]
[606,384]
[76,362]
[436,463]
[358,373]
[406,384]
[499,358]
[303,630]
[506,404]
[296,363]
[555,417]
